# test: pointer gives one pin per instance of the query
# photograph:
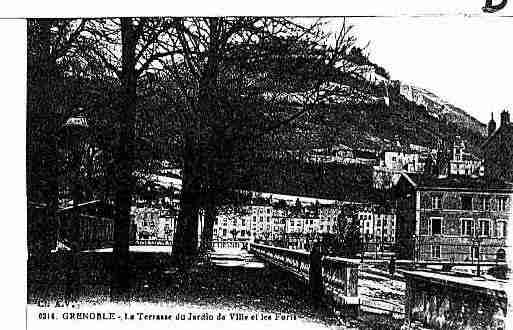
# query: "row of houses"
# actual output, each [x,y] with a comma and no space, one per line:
[272,223]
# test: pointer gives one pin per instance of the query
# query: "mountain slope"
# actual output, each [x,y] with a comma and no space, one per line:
[441,108]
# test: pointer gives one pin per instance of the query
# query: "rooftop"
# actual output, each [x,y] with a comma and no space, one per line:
[457,182]
[504,127]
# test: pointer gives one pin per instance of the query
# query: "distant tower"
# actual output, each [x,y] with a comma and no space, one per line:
[504,117]
[491,126]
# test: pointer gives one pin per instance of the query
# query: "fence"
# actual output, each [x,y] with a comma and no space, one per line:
[85,232]
[339,275]
[154,242]
[223,244]
[459,252]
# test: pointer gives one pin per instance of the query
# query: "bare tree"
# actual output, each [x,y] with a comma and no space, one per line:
[241,79]
[50,43]
[126,49]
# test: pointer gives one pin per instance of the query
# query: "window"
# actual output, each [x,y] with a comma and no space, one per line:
[501,255]
[483,203]
[467,227]
[466,202]
[243,222]
[501,228]
[501,204]
[436,251]
[484,227]
[436,226]
[474,251]
[268,211]
[435,202]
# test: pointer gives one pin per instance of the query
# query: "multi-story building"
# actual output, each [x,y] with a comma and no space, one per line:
[385,226]
[452,218]
[260,218]
[498,149]
[329,215]
[365,215]
[464,162]
[377,224]
[399,159]
[248,223]
[153,223]
[279,217]
[166,225]
[146,221]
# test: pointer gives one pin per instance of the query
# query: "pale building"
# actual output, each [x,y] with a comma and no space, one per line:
[377,224]
[463,162]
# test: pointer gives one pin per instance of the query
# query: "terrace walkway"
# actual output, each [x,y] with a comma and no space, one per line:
[232,280]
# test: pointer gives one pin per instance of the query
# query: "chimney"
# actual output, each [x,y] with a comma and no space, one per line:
[504,117]
[491,126]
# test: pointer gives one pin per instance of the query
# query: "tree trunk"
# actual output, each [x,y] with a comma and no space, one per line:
[123,162]
[185,241]
[42,154]
[208,229]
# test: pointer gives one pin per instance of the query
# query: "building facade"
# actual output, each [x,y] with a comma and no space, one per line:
[377,224]
[153,223]
[450,218]
[463,162]
[249,223]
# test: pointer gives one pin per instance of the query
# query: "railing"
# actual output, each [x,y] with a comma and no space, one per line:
[339,275]
[154,242]
[224,244]
[296,262]
[490,251]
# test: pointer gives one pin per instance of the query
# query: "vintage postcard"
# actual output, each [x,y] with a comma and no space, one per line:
[344,171]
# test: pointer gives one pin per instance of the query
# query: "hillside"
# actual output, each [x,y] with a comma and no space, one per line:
[441,108]
[411,115]
[371,122]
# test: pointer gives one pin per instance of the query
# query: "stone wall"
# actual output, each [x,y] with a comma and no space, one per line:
[448,302]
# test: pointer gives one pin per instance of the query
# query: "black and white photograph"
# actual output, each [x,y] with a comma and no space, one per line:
[228,171]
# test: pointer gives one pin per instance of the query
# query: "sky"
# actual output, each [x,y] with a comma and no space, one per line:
[467,60]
